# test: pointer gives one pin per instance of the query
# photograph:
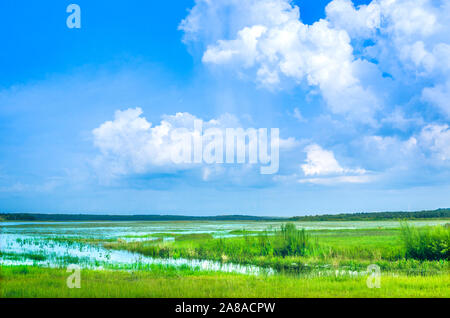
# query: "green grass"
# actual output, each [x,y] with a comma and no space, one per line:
[23,281]
[193,237]
[243,232]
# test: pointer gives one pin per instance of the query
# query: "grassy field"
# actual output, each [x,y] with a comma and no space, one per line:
[31,281]
[414,262]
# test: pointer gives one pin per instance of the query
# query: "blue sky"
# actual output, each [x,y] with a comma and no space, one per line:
[359,90]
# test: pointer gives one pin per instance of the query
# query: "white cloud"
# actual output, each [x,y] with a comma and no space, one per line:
[133,143]
[411,41]
[436,139]
[410,18]
[320,162]
[244,47]
[378,63]
[358,23]
[273,44]
[402,19]
[207,21]
[323,165]
[130,144]
[401,29]
[322,168]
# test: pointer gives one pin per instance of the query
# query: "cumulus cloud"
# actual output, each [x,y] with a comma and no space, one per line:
[277,45]
[210,21]
[383,63]
[406,39]
[323,164]
[410,40]
[133,145]
[414,33]
[361,22]
[320,162]
[130,144]
[401,18]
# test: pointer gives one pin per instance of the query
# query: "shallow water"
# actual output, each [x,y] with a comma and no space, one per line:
[20,242]
[21,251]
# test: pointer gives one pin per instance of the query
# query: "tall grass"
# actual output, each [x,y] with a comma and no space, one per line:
[290,241]
[431,243]
[283,242]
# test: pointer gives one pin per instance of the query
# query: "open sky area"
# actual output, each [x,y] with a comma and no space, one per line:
[359,90]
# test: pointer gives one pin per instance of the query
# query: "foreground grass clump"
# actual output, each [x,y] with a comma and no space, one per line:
[287,241]
[28,281]
[432,243]
[290,241]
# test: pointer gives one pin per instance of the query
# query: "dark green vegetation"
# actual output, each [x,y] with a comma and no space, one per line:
[28,281]
[433,243]
[372,216]
[377,216]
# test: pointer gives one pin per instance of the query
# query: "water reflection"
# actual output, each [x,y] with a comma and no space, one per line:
[28,251]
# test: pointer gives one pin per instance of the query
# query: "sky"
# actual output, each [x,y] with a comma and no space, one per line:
[359,90]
